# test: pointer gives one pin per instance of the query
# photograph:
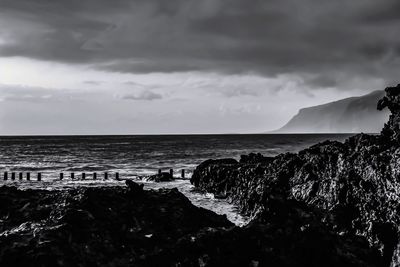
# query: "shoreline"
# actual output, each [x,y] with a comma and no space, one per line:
[197,198]
[129,226]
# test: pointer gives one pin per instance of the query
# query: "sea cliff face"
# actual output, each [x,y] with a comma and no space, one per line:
[354,187]
[349,115]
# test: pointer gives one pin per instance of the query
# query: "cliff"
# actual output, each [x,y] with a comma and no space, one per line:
[354,187]
[350,115]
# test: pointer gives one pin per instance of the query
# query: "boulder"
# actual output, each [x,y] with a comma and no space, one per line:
[134,188]
[161,177]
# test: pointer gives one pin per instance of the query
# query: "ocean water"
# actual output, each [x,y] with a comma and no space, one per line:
[136,157]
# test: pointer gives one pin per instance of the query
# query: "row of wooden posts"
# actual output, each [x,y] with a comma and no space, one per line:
[72,175]
[39,176]
[171,172]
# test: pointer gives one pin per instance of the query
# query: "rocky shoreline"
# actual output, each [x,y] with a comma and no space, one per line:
[354,187]
[129,226]
[333,204]
[105,226]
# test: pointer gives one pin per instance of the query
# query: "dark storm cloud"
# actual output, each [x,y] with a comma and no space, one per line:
[383,13]
[148,66]
[329,40]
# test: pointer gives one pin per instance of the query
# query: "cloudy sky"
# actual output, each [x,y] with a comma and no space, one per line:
[187,66]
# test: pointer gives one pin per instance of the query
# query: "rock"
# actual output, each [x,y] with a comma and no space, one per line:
[77,217]
[228,163]
[293,237]
[108,227]
[161,177]
[253,158]
[95,226]
[391,130]
[355,185]
[134,188]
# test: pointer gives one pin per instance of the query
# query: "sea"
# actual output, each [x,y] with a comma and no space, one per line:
[137,157]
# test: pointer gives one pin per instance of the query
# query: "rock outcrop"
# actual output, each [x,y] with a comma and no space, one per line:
[293,236]
[110,226]
[353,186]
[116,226]
[161,177]
[391,130]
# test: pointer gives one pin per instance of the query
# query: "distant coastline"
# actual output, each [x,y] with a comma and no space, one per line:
[349,115]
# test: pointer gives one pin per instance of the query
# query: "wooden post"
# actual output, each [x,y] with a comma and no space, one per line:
[159,171]
[183,174]
[105,175]
[61,175]
[39,176]
[171,172]
[13,176]
[117,176]
[28,176]
[83,176]
[20,176]
[94,176]
[5,176]
[72,175]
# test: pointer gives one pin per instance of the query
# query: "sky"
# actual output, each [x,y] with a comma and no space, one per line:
[187,66]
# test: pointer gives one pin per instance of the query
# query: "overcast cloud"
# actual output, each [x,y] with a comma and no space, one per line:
[322,50]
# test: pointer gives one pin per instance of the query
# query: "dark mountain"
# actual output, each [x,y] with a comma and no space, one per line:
[349,115]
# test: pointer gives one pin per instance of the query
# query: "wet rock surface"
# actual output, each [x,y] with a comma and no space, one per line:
[117,226]
[292,236]
[161,177]
[111,226]
[354,187]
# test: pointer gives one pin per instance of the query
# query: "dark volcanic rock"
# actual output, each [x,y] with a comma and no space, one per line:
[292,236]
[391,130]
[131,227]
[135,188]
[161,177]
[95,226]
[355,185]
[254,158]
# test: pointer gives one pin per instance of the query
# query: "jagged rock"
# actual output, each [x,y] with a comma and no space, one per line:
[254,158]
[391,130]
[161,177]
[95,226]
[109,227]
[292,236]
[135,188]
[355,185]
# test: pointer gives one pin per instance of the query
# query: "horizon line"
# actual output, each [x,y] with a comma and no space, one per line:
[183,134]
